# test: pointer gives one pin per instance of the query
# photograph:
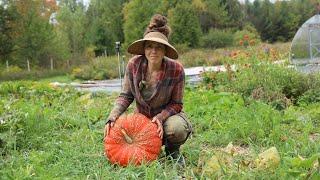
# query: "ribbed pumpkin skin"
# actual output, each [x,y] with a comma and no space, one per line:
[145,146]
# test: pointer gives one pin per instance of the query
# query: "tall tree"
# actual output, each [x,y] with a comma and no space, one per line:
[105,21]
[304,8]
[7,16]
[31,31]
[166,5]
[213,15]
[285,23]
[71,23]
[235,13]
[185,24]
[137,14]
[261,17]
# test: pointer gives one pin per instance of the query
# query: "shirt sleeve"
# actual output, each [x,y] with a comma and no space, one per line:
[125,98]
[175,105]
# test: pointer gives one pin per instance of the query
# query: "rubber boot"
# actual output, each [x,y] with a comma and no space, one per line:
[173,152]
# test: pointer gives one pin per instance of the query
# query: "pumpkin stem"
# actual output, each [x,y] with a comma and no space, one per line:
[126,137]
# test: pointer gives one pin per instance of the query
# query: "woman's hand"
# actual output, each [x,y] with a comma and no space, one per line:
[107,127]
[159,124]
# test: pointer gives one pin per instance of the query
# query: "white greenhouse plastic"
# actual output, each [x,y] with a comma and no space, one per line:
[305,47]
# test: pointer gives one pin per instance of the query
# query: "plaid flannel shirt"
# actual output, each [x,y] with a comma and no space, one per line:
[165,101]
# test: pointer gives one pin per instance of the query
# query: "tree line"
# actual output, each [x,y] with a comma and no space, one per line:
[41,30]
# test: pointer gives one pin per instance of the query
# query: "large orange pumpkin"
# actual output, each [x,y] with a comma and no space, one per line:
[132,139]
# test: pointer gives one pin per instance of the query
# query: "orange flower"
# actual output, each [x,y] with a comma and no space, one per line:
[241,42]
[234,54]
[246,37]
[252,42]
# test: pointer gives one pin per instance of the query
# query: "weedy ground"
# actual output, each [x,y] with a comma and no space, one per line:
[57,133]
[48,132]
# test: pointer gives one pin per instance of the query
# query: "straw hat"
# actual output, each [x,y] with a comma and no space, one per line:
[137,47]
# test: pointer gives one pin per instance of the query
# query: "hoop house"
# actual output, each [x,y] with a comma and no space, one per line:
[305,47]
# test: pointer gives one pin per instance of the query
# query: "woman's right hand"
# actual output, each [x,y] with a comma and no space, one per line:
[107,127]
[160,127]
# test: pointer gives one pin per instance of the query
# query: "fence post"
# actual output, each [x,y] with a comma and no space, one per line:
[51,63]
[28,63]
[68,63]
[7,63]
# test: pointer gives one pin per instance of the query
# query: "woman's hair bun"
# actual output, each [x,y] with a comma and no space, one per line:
[158,23]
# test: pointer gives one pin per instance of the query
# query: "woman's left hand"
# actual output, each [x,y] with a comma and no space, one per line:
[159,124]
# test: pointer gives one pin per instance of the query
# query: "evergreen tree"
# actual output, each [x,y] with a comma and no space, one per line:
[166,5]
[261,18]
[285,23]
[304,8]
[105,21]
[278,21]
[235,13]
[185,24]
[214,15]
[137,15]
[71,24]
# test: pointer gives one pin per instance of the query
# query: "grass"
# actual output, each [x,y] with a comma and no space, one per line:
[57,133]
[15,73]
[61,79]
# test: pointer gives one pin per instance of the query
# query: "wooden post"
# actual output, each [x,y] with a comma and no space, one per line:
[51,63]
[7,63]
[68,63]
[28,64]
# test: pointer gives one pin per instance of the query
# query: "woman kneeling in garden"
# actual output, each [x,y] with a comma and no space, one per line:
[156,82]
